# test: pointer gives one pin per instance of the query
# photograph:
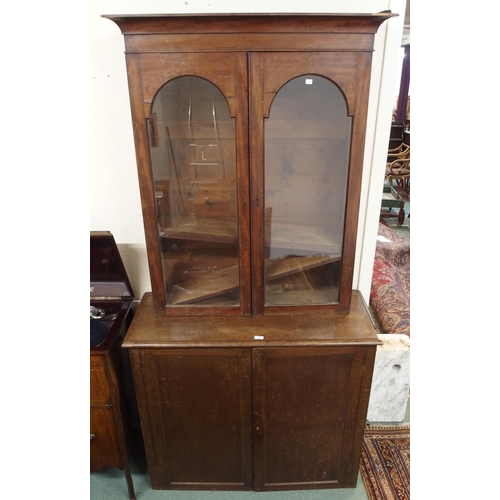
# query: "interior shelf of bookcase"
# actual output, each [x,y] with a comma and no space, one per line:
[226,280]
[220,230]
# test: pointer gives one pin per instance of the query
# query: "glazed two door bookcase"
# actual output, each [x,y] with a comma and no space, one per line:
[249,132]
[252,356]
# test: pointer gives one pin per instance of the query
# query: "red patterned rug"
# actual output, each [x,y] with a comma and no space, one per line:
[390,291]
[385,462]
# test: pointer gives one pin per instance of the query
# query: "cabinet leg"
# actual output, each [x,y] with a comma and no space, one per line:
[130,483]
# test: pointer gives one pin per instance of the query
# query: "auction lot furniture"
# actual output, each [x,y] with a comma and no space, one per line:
[252,356]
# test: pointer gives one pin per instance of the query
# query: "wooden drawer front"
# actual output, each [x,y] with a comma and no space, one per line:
[104,450]
[99,390]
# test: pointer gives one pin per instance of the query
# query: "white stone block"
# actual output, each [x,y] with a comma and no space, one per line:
[391,379]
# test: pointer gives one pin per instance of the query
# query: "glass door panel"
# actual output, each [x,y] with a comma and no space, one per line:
[307,138]
[193,156]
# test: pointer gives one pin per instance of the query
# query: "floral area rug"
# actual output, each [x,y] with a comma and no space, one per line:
[390,291]
[385,462]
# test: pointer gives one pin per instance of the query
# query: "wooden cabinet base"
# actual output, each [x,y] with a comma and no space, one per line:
[253,403]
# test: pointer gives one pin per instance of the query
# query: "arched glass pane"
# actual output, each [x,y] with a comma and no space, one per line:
[193,154]
[307,139]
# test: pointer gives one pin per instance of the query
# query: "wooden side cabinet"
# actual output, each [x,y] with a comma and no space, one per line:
[109,439]
[111,313]
[267,403]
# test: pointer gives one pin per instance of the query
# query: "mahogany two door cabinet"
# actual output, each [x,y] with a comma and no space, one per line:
[264,403]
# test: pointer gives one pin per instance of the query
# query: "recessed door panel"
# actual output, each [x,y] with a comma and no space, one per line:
[304,414]
[202,403]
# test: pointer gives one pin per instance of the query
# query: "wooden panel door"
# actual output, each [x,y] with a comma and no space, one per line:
[104,446]
[196,417]
[309,413]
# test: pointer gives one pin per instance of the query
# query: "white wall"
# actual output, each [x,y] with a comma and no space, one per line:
[114,193]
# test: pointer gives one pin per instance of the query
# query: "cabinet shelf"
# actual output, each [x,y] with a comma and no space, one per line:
[283,236]
[305,238]
[218,230]
[225,280]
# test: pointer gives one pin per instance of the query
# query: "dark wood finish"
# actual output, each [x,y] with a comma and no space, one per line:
[307,407]
[109,431]
[252,24]
[110,405]
[270,71]
[104,448]
[108,278]
[150,331]
[355,175]
[148,72]
[249,57]
[199,423]
[311,383]
[252,395]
